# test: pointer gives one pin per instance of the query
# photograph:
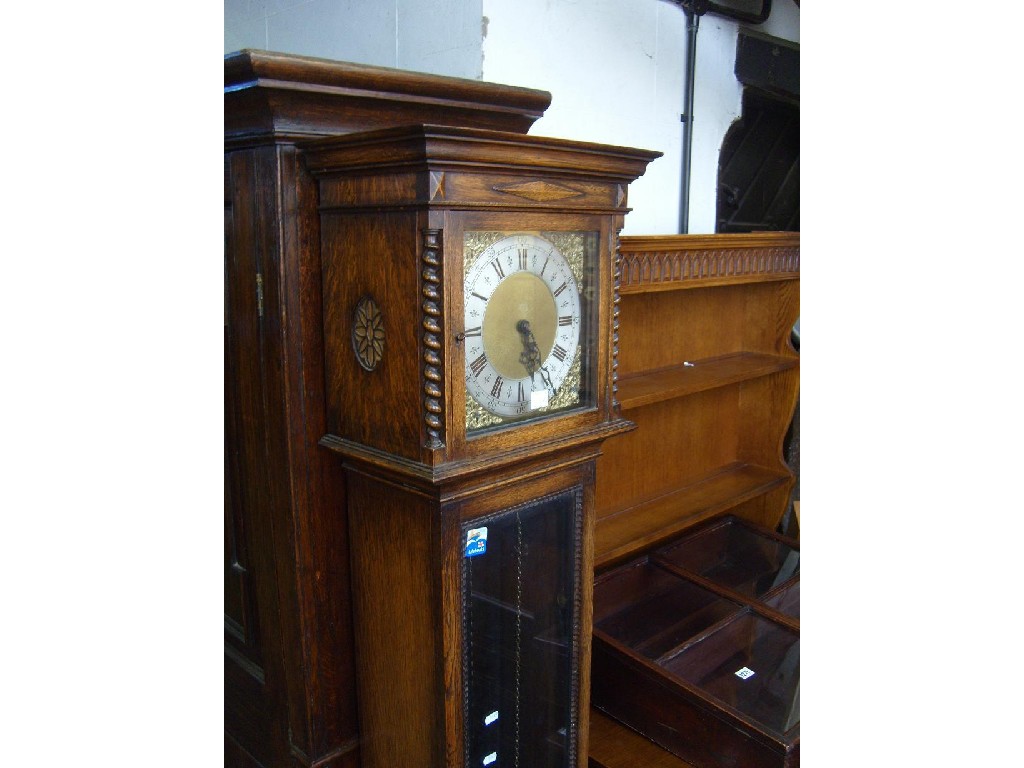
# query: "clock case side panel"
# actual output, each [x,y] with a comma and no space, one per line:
[559,426]
[372,256]
[397,555]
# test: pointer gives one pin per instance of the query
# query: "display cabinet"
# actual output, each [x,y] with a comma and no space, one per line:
[697,646]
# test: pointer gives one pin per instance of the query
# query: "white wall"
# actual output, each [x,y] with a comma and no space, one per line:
[437,36]
[615,69]
[615,72]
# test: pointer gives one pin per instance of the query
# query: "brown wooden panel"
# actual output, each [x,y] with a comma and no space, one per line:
[286,527]
[238,598]
[771,311]
[613,745]
[318,649]
[358,191]
[660,330]
[253,681]
[396,591]
[676,443]
[368,255]
[235,756]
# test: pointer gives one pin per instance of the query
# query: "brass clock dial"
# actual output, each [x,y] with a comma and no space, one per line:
[523,328]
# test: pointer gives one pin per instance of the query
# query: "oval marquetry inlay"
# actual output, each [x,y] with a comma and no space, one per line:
[368,333]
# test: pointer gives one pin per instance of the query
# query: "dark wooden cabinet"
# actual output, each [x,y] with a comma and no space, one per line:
[288,641]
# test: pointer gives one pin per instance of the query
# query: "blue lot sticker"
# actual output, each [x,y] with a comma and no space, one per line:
[476,541]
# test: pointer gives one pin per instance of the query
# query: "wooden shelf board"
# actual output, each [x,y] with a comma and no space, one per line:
[627,533]
[636,390]
[613,745]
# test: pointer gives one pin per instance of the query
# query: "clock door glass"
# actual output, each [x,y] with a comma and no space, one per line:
[528,326]
[520,608]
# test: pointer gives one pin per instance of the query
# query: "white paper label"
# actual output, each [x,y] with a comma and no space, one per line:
[491,717]
[744,673]
[490,758]
[538,399]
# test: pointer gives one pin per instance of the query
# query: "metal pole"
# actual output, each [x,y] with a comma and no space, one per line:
[692,22]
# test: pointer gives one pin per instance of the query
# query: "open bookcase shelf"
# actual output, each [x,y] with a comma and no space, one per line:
[708,374]
[627,533]
[697,376]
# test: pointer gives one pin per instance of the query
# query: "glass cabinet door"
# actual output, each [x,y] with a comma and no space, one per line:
[520,617]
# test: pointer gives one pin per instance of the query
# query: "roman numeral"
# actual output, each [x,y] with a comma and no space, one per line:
[478,365]
[522,395]
[563,320]
[476,331]
[560,288]
[496,389]
[522,258]
[482,298]
[544,267]
[559,353]
[498,269]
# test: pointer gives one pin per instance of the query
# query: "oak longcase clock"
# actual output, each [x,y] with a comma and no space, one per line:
[469,293]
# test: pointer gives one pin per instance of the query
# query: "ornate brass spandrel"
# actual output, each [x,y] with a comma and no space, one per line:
[475,243]
[574,246]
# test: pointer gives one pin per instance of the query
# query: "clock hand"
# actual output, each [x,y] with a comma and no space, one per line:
[530,356]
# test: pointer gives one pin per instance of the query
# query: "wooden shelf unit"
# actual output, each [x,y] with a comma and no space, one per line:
[707,371]
[708,374]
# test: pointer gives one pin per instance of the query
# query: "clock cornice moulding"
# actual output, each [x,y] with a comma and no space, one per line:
[422,147]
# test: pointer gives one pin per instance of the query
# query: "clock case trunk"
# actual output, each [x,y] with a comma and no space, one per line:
[394,205]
